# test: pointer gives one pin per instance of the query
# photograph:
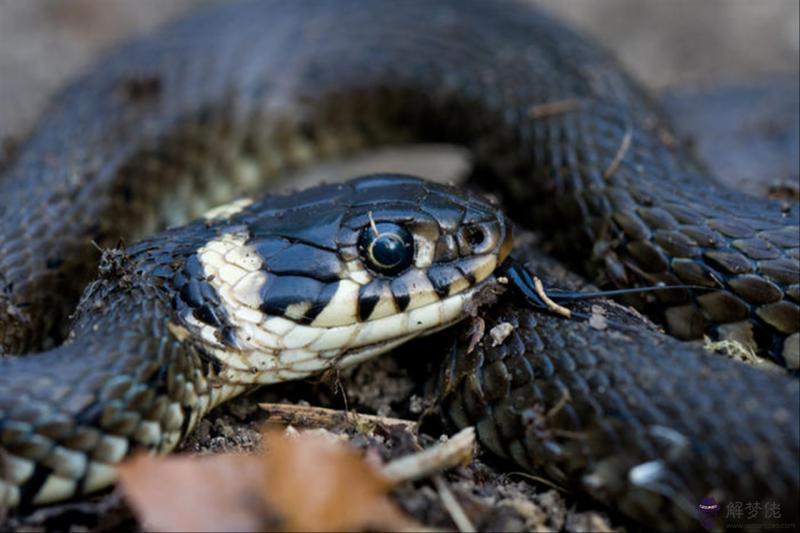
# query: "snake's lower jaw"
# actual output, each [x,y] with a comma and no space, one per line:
[342,347]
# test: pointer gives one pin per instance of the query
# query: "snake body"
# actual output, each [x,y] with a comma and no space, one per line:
[647,424]
[222,100]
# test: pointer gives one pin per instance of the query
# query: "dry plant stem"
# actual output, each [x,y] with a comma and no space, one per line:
[557,107]
[554,307]
[620,155]
[538,479]
[457,450]
[310,416]
[454,509]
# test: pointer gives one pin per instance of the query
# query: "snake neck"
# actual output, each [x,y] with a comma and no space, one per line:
[121,382]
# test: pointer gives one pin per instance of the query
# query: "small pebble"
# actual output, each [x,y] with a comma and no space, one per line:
[500,333]
[598,319]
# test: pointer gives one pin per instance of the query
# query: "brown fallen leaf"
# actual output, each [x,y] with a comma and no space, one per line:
[312,484]
[190,493]
[476,330]
[300,483]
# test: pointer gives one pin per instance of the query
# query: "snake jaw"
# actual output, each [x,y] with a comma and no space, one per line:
[259,365]
[273,301]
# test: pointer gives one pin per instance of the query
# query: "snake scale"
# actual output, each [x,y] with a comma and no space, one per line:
[219,102]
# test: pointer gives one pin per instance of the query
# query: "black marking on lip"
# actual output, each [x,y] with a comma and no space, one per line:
[282,291]
[400,293]
[325,296]
[368,297]
[442,277]
[468,275]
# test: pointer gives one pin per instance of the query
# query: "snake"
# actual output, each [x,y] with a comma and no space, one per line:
[222,101]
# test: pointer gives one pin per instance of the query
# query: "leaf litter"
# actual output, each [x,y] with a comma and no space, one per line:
[490,494]
[299,482]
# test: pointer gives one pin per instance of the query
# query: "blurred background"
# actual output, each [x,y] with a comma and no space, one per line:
[680,48]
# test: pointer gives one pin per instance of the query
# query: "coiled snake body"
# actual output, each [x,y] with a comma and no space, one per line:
[218,102]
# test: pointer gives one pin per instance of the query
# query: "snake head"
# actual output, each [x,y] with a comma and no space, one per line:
[298,283]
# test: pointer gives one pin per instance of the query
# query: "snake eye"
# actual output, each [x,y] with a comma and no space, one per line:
[387,248]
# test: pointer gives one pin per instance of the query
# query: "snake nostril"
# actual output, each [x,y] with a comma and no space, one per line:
[475,235]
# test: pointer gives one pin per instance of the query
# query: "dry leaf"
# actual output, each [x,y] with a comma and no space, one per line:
[190,493]
[313,484]
[476,329]
[300,483]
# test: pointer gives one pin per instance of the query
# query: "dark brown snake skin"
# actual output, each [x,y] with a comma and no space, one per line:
[246,91]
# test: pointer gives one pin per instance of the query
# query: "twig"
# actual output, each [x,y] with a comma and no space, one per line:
[554,307]
[476,330]
[565,397]
[373,225]
[306,415]
[620,155]
[538,479]
[557,107]
[454,509]
[458,449]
